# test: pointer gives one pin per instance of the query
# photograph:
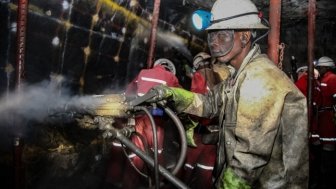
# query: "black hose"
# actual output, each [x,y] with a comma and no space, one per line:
[155,140]
[180,128]
[144,142]
[164,172]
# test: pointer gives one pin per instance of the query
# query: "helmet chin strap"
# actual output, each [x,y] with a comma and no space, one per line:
[263,35]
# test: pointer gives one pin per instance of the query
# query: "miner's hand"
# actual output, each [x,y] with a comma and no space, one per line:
[162,93]
[181,98]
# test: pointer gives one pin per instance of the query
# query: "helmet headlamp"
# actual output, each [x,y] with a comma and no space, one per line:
[201,19]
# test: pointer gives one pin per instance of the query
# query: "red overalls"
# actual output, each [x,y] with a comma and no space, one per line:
[327,128]
[302,85]
[146,79]
[200,160]
[314,137]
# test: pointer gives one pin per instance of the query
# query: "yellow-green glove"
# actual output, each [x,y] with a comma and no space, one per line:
[232,181]
[181,97]
[190,132]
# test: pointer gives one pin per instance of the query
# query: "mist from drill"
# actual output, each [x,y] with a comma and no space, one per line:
[44,101]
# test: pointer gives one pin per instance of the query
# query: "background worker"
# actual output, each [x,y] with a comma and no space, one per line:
[262,114]
[201,156]
[326,123]
[314,137]
[203,78]
[302,81]
[163,72]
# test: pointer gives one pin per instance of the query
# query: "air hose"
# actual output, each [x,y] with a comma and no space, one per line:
[183,140]
[155,140]
[118,134]
[180,128]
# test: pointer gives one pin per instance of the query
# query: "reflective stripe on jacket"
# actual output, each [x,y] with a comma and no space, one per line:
[148,78]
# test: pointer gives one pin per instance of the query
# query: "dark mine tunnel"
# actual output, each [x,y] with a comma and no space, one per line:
[70,116]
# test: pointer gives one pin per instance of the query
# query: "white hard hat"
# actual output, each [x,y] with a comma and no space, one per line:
[200,60]
[302,69]
[235,14]
[325,61]
[169,65]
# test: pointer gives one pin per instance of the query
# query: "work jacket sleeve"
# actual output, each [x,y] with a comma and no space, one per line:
[332,85]
[209,104]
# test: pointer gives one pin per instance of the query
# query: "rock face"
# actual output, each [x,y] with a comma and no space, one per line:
[63,155]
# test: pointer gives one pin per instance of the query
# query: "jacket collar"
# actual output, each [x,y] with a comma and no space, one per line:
[254,52]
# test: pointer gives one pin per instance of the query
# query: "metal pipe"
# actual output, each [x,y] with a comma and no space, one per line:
[274,34]
[153,33]
[21,40]
[164,172]
[310,49]
[22,12]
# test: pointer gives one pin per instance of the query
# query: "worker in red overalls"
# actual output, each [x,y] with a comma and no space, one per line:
[163,72]
[302,84]
[201,157]
[314,137]
[326,124]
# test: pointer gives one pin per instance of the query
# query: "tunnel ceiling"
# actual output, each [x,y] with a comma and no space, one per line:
[96,43]
[292,11]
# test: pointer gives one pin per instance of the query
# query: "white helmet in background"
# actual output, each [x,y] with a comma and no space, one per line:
[302,69]
[169,65]
[325,61]
[235,14]
[201,59]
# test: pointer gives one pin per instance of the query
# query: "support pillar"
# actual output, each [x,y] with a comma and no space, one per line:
[153,33]
[274,34]
[310,49]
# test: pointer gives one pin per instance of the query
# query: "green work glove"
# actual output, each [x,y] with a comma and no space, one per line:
[232,181]
[181,97]
[190,132]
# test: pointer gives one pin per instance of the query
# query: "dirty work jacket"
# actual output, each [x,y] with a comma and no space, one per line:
[264,132]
